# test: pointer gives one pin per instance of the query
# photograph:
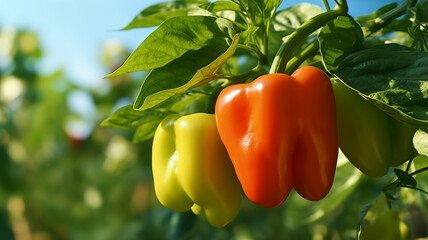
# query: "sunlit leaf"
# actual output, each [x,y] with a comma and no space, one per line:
[191,70]
[173,39]
[392,77]
[420,141]
[338,39]
[288,20]
[158,13]
[218,6]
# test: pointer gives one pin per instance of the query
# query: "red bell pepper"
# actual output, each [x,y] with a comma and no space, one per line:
[280,133]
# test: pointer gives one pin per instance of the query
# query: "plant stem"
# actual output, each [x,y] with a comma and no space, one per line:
[297,37]
[419,171]
[415,188]
[393,185]
[210,107]
[397,184]
[361,218]
[409,164]
[260,55]
[309,51]
[245,76]
[387,17]
[326,5]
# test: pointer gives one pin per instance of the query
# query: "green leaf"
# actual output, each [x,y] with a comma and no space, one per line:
[146,130]
[420,141]
[259,15]
[288,20]
[218,6]
[127,118]
[421,162]
[158,13]
[338,39]
[404,177]
[260,10]
[145,122]
[193,69]
[174,38]
[270,8]
[419,27]
[392,77]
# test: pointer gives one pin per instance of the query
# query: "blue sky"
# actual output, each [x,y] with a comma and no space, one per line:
[72,32]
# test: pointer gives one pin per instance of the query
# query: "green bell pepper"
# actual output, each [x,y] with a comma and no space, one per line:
[192,170]
[372,140]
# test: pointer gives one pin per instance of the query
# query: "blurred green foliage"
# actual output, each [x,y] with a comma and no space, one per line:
[62,176]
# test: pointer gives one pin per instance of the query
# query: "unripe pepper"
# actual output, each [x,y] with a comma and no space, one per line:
[372,140]
[280,133]
[191,169]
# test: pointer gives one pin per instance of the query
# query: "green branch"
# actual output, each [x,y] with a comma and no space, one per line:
[415,188]
[309,51]
[245,76]
[398,184]
[383,20]
[257,52]
[419,171]
[326,5]
[299,36]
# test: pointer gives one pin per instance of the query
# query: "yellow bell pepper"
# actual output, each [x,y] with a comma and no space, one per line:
[192,170]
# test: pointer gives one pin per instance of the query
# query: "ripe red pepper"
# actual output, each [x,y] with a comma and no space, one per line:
[280,133]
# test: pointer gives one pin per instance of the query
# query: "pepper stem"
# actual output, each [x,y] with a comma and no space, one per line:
[294,40]
[326,5]
[309,51]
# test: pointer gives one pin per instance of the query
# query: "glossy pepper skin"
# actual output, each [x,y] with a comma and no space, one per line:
[192,170]
[280,133]
[372,140]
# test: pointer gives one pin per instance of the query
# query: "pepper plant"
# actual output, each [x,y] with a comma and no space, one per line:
[233,59]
